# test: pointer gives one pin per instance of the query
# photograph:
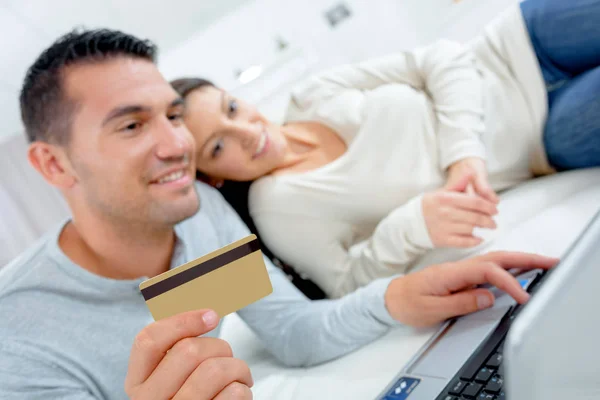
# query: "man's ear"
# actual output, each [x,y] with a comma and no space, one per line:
[52,163]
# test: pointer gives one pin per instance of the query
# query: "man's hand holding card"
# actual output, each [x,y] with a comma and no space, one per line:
[169,358]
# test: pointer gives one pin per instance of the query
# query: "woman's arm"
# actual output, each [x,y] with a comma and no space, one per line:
[445,70]
[322,249]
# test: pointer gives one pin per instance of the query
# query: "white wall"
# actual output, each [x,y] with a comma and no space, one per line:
[248,35]
[214,38]
[29,26]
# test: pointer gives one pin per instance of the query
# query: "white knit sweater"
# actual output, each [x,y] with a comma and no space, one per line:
[405,118]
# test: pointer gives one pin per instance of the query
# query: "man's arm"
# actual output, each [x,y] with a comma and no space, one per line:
[301,333]
[296,330]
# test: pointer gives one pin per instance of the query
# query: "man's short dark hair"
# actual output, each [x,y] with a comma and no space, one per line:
[46,110]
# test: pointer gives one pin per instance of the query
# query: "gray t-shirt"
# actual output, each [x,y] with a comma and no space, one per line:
[67,333]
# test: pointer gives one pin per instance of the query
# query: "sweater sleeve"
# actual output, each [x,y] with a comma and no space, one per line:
[446,71]
[27,374]
[296,330]
[324,250]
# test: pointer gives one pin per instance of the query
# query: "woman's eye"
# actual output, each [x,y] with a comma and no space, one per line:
[233,107]
[218,147]
[175,117]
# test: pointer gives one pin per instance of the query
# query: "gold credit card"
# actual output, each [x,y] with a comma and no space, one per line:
[225,281]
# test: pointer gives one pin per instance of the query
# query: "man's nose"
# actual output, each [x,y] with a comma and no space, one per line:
[173,143]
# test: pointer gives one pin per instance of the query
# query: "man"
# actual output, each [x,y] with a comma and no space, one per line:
[105,128]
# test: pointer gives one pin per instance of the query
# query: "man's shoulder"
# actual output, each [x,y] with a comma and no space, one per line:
[26,283]
[214,223]
[209,217]
[25,268]
[211,201]
[212,206]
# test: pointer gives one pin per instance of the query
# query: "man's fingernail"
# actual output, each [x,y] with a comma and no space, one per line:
[210,318]
[483,301]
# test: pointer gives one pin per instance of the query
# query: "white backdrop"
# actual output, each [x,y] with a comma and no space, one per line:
[29,26]
[28,205]
[245,37]
[216,38]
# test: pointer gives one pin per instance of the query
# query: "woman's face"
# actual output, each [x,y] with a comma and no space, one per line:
[233,140]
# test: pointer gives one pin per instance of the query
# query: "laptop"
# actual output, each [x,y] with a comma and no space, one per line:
[546,349]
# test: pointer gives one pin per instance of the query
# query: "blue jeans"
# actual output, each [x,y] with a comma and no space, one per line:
[566,37]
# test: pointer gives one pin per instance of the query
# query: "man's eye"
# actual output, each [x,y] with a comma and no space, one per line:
[132,126]
[233,107]
[218,147]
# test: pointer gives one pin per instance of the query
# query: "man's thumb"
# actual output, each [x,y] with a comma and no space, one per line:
[465,302]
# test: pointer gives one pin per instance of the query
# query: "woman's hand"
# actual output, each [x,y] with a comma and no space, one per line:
[478,184]
[451,215]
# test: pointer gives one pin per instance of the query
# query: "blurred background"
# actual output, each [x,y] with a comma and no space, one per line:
[255,48]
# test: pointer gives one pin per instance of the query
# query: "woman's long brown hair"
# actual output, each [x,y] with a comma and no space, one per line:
[236,194]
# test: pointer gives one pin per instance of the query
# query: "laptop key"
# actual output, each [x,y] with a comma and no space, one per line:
[468,374]
[494,361]
[501,396]
[483,375]
[500,370]
[457,387]
[474,363]
[486,396]
[450,398]
[494,385]
[472,390]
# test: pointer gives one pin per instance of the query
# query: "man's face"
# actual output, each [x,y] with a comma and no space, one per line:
[129,149]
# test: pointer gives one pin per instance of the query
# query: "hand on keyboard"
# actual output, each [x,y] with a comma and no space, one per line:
[447,290]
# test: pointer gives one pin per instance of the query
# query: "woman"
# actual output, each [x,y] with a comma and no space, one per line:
[379,162]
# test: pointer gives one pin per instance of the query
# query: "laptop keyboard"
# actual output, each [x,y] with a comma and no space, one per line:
[482,376]
[480,382]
